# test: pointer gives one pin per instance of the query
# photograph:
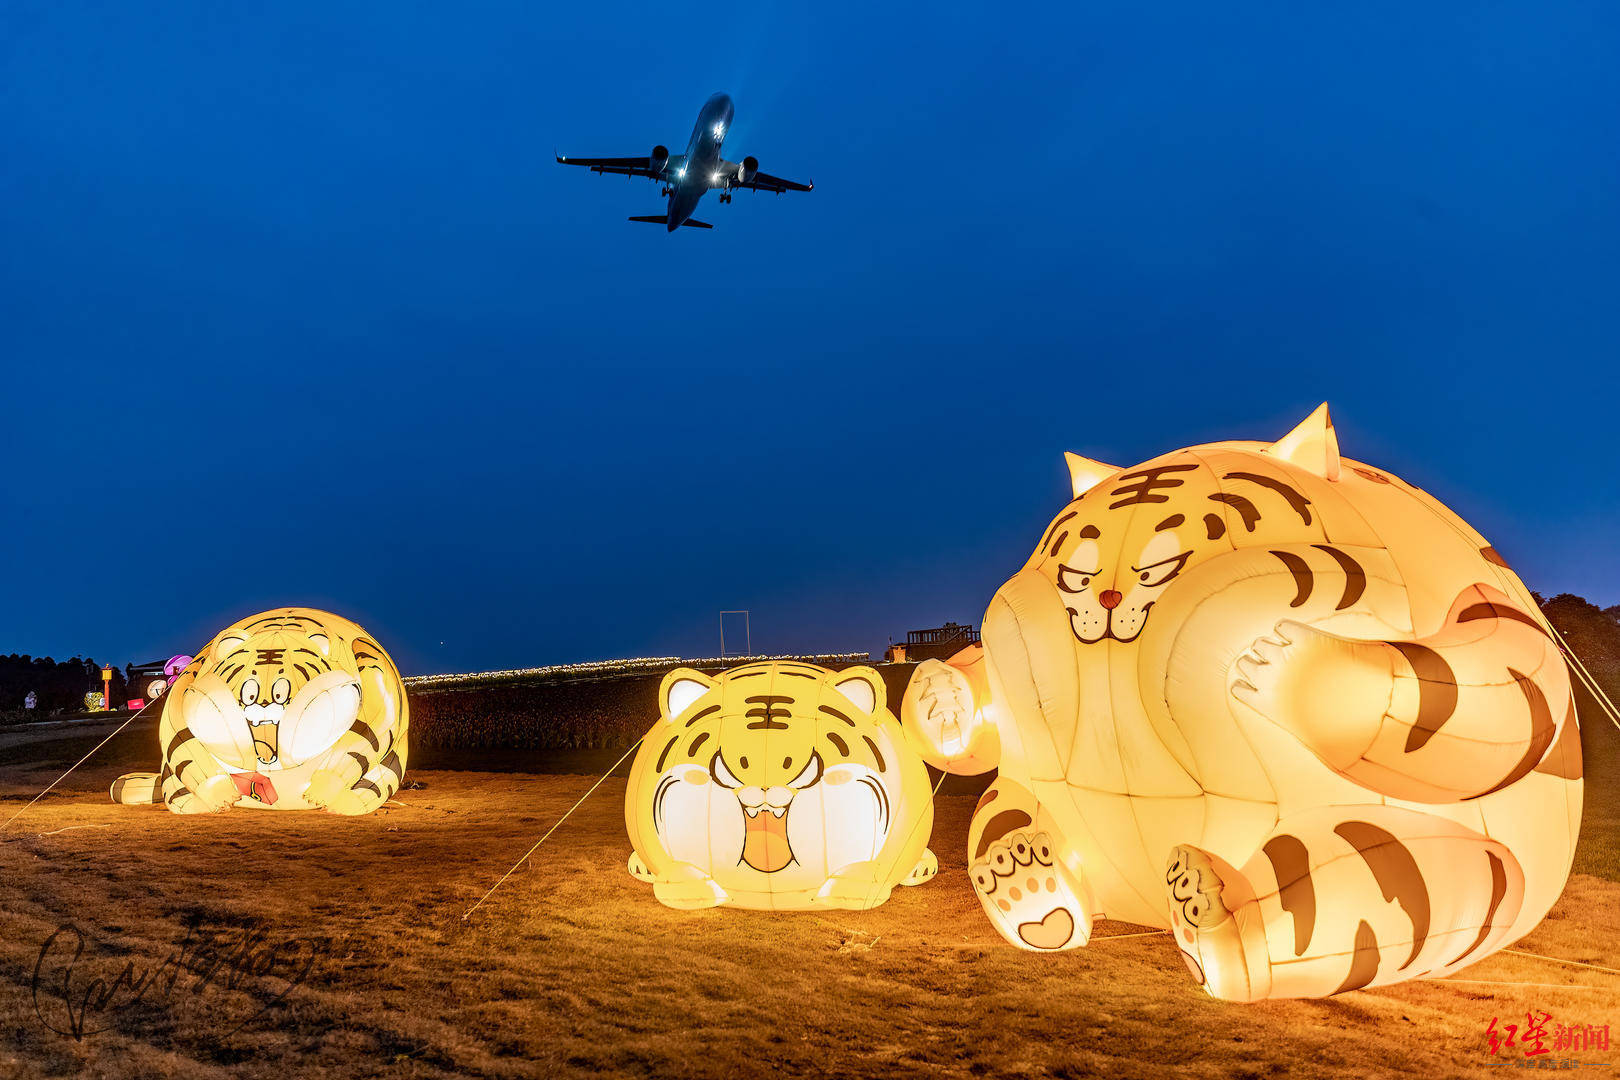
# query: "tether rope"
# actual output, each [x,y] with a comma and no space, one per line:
[1559,960]
[75,765]
[1543,986]
[1587,677]
[551,830]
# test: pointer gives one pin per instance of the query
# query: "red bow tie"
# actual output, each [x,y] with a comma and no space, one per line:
[256,785]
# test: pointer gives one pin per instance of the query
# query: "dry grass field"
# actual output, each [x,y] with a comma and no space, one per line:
[572,969]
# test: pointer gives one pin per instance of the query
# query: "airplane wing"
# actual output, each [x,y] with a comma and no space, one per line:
[766,182]
[619,166]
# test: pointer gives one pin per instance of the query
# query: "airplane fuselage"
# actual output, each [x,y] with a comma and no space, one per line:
[696,173]
[686,177]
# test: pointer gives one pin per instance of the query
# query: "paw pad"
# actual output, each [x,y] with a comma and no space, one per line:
[1027,893]
[1194,889]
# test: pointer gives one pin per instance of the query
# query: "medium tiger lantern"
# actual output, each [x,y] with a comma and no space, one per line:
[778,786]
[1281,703]
[293,709]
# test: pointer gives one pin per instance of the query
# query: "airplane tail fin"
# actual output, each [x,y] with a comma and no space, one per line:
[663,219]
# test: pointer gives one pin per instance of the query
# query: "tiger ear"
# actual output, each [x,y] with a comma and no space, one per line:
[1085,474]
[863,687]
[323,643]
[1313,445]
[680,688]
[224,645]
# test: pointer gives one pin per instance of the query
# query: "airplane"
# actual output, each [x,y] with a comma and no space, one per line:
[688,177]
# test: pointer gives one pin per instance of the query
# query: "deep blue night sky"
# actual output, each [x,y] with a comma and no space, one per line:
[295,307]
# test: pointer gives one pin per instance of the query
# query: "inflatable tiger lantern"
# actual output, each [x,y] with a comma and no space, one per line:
[1278,702]
[293,709]
[778,785]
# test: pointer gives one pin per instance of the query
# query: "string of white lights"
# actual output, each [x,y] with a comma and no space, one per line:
[628,666]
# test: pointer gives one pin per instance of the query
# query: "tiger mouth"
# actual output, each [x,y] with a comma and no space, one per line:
[265,731]
[765,840]
[1108,628]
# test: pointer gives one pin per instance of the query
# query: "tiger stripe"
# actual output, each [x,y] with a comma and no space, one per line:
[1542,730]
[1489,610]
[876,753]
[363,729]
[1301,505]
[1355,578]
[665,755]
[1296,892]
[1498,894]
[1437,692]
[1008,821]
[1396,873]
[1246,509]
[1364,962]
[1304,578]
[830,711]
[701,713]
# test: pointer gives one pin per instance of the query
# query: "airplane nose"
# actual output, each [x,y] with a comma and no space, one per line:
[670,226]
[1110,599]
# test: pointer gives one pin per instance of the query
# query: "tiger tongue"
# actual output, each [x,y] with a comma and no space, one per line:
[765,842]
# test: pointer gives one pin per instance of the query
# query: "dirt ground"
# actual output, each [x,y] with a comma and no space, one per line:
[330,947]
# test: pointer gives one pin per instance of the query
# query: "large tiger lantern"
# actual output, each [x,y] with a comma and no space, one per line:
[1283,704]
[777,786]
[293,709]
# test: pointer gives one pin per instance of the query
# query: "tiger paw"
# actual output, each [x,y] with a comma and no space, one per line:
[638,869]
[941,719]
[1030,895]
[688,888]
[1281,675]
[214,795]
[1203,926]
[326,789]
[926,868]
[351,803]
[857,887]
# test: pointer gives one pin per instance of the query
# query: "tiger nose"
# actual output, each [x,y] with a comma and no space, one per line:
[1110,599]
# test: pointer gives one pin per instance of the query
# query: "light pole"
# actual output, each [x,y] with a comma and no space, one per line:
[106,687]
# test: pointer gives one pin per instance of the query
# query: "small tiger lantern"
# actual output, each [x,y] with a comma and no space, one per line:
[778,786]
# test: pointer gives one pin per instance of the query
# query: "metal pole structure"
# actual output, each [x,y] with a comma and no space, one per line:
[748,632]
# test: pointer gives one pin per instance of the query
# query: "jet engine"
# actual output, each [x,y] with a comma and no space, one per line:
[658,158]
[750,166]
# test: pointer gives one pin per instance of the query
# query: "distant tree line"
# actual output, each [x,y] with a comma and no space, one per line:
[1593,634]
[59,685]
